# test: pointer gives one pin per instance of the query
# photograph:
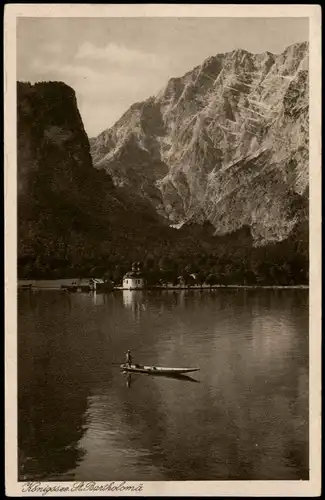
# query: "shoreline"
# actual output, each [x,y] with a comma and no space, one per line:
[32,285]
[298,287]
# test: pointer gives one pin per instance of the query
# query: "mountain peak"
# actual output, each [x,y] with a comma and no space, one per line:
[298,45]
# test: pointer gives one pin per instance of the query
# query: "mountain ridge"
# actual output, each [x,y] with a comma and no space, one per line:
[219,114]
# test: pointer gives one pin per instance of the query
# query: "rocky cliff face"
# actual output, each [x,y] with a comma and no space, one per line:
[226,143]
[52,160]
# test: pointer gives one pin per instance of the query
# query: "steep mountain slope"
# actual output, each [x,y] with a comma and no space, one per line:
[226,143]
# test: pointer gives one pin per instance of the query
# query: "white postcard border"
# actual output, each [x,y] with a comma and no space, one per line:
[312,487]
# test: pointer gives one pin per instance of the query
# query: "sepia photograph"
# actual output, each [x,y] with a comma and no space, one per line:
[163,173]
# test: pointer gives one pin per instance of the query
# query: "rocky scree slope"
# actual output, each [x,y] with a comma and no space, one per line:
[225,143]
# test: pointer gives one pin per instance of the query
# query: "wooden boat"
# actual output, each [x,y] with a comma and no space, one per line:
[157,370]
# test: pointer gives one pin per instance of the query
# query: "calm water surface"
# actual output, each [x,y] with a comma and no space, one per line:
[246,417]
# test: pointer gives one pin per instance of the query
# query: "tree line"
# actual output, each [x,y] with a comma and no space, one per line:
[263,267]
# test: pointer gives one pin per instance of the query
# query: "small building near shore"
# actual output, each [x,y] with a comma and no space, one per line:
[70,285]
[134,279]
[89,285]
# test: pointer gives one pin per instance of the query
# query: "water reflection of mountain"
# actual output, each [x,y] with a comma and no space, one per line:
[51,422]
[52,393]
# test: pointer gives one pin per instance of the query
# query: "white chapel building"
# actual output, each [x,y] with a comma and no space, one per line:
[133,279]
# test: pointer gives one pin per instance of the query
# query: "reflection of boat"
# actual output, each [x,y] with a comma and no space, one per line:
[157,370]
[175,376]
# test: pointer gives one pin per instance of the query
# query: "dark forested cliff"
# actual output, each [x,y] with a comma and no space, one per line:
[70,216]
[74,220]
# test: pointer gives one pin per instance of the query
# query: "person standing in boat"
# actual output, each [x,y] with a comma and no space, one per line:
[128,358]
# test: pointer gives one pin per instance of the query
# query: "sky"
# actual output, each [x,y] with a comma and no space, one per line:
[114,62]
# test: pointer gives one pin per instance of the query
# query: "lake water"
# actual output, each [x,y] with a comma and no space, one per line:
[245,417]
